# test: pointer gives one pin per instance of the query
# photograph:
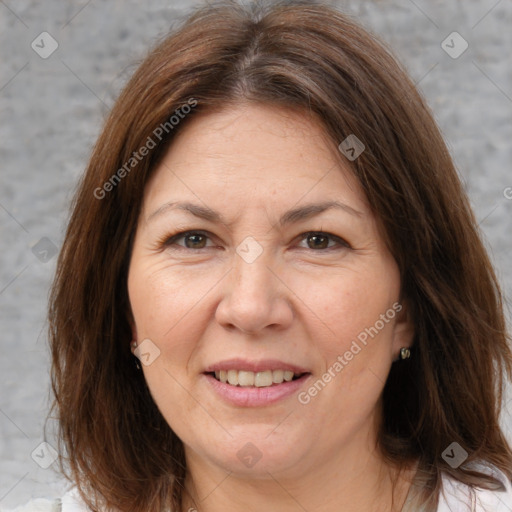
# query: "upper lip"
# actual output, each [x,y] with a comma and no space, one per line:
[254,366]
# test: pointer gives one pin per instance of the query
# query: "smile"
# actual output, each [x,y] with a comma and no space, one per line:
[261,379]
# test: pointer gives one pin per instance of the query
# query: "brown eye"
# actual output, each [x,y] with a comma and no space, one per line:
[316,241]
[188,240]
[195,241]
[323,241]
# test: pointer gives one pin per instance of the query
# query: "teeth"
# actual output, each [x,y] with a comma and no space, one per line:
[263,379]
[245,378]
[277,376]
[233,377]
[251,379]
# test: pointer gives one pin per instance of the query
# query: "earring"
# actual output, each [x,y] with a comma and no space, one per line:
[134,346]
[405,353]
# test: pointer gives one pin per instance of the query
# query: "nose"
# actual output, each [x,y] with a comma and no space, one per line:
[254,297]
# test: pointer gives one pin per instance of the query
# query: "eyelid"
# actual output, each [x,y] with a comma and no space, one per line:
[169,240]
[340,241]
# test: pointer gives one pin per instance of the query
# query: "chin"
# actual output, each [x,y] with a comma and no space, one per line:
[255,453]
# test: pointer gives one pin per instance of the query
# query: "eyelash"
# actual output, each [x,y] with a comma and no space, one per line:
[171,240]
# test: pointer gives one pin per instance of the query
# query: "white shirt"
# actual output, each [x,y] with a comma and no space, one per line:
[454,497]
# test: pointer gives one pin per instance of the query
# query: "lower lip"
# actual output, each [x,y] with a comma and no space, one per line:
[253,396]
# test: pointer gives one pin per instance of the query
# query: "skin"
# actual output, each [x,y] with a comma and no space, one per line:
[202,303]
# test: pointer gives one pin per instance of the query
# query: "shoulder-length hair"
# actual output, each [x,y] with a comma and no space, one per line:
[120,451]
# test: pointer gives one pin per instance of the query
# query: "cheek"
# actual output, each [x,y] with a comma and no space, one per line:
[345,323]
[348,306]
[165,305]
[164,299]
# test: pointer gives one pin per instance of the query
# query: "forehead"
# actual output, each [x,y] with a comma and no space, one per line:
[253,152]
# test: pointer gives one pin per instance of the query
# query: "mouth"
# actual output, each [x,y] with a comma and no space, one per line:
[246,383]
[261,379]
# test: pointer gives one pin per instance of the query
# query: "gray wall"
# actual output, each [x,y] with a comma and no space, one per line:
[51,111]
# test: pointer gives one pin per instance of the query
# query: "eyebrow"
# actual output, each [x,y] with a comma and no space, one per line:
[290,217]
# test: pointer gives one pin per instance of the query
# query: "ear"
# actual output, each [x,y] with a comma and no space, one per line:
[403,330]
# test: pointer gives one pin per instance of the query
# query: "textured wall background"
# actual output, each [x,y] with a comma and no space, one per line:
[51,111]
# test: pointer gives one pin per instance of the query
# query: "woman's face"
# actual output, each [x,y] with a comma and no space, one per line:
[257,260]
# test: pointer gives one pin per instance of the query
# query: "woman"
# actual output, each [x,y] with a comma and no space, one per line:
[272,293]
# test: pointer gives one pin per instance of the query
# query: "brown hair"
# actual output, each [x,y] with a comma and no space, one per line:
[121,453]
